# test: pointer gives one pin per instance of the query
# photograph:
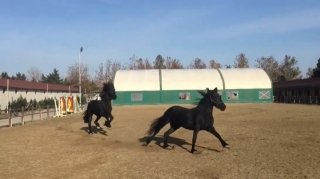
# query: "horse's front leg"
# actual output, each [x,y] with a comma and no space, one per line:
[194,139]
[109,118]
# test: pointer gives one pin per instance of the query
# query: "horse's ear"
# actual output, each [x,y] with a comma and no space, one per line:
[207,90]
[216,89]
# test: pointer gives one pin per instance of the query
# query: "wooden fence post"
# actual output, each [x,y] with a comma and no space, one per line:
[40,113]
[47,111]
[10,117]
[32,113]
[22,116]
[54,111]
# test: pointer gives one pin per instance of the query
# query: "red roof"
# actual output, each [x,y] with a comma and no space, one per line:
[27,85]
[310,82]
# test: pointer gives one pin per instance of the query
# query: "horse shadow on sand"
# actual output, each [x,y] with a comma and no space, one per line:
[175,141]
[95,130]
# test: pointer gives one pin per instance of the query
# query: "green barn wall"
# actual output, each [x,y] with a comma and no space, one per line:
[172,97]
[248,96]
[148,98]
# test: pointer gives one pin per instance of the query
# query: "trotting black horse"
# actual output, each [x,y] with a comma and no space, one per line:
[101,108]
[196,119]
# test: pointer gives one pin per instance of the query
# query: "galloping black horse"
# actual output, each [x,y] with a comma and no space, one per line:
[196,119]
[101,108]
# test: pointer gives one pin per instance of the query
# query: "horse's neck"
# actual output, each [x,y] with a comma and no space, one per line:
[106,102]
[206,106]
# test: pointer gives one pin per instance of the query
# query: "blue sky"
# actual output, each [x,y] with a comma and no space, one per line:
[49,33]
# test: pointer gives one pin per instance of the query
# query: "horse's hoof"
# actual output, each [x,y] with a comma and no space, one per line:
[109,128]
[98,127]
[227,146]
[169,147]
[196,152]
[144,145]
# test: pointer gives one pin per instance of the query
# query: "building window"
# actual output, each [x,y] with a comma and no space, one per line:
[4,90]
[136,97]
[26,91]
[232,95]
[264,94]
[35,91]
[184,96]
[16,91]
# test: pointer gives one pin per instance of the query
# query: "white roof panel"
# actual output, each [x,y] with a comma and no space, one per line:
[137,80]
[245,78]
[191,79]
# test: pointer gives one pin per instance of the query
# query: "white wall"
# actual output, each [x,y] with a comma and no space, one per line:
[137,80]
[191,79]
[29,94]
[245,78]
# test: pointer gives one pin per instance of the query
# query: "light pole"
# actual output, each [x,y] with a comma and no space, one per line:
[81,49]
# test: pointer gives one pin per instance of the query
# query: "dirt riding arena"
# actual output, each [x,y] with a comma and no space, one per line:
[266,141]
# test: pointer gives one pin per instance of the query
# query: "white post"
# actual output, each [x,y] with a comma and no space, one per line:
[80,76]
[8,96]
[47,90]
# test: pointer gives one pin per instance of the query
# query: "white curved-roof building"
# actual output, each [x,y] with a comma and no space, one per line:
[181,85]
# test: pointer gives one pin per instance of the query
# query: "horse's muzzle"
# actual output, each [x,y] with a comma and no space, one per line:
[222,106]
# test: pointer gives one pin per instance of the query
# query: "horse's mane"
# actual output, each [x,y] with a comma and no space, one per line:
[198,101]
[106,85]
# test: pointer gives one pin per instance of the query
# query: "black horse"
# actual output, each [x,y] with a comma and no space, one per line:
[196,119]
[101,108]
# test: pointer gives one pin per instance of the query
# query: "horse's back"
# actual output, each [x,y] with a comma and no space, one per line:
[180,117]
[188,118]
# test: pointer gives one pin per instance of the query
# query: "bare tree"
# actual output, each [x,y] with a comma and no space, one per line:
[214,64]
[270,66]
[173,63]
[147,64]
[133,62]
[289,69]
[106,72]
[241,61]
[34,74]
[72,77]
[197,63]
[309,73]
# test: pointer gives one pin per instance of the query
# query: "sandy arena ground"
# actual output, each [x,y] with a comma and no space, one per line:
[266,141]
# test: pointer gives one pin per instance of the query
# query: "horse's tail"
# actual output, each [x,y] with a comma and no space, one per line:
[86,115]
[159,123]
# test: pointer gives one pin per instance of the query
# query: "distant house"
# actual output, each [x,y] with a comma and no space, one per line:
[31,90]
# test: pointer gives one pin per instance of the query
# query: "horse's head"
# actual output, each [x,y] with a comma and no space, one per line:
[108,91]
[214,98]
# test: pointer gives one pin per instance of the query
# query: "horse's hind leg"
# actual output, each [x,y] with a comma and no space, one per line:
[89,124]
[166,135]
[213,131]
[96,122]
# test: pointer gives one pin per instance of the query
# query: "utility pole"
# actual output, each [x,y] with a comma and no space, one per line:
[81,49]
